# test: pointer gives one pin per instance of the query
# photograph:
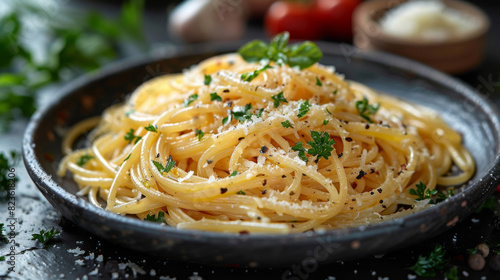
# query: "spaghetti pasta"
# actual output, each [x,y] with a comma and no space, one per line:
[233,146]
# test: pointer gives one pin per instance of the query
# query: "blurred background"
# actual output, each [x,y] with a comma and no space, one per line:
[46,43]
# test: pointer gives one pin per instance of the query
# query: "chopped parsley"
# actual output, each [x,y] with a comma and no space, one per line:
[335,92]
[208,80]
[245,113]
[422,192]
[83,160]
[2,258]
[318,82]
[226,120]
[302,151]
[127,157]
[248,77]
[131,137]
[200,134]
[325,122]
[151,128]
[215,97]
[45,236]
[153,218]
[301,55]
[286,124]
[365,109]
[278,98]
[430,265]
[241,192]
[234,173]
[321,146]
[190,99]
[258,112]
[170,164]
[452,274]
[304,108]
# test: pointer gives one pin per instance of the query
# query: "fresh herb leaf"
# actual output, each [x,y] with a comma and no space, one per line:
[241,192]
[151,128]
[422,192]
[131,137]
[234,173]
[215,97]
[170,164]
[127,157]
[3,237]
[301,55]
[321,146]
[153,218]
[278,98]
[244,114]
[335,92]
[302,151]
[84,159]
[45,236]
[328,111]
[190,99]
[2,258]
[325,122]
[318,82]
[248,77]
[303,109]
[258,112]
[286,124]
[208,80]
[365,109]
[227,119]
[430,265]
[200,134]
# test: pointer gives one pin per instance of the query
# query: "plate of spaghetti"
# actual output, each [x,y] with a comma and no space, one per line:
[266,154]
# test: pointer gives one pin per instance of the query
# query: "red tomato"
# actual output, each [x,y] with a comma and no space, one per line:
[298,19]
[335,17]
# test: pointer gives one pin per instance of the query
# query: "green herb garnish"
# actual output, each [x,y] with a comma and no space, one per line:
[430,265]
[318,82]
[234,173]
[127,157]
[302,54]
[321,146]
[208,80]
[131,137]
[227,119]
[245,113]
[286,124]
[452,274]
[248,77]
[170,164]
[190,99]
[200,134]
[489,204]
[153,218]
[45,236]
[325,122]
[278,98]
[83,160]
[7,162]
[365,109]
[298,147]
[241,192]
[303,109]
[422,192]
[215,97]
[151,128]
[3,237]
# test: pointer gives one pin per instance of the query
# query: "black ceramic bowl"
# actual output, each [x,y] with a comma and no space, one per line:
[457,103]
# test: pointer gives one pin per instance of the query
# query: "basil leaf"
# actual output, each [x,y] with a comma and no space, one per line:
[280,41]
[304,55]
[254,51]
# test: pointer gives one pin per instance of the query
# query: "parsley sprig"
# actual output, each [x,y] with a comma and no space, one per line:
[248,77]
[303,109]
[3,237]
[151,128]
[84,159]
[301,55]
[430,265]
[153,218]
[365,109]
[45,236]
[279,98]
[321,146]
[242,114]
[170,164]
[130,137]
[423,193]
[190,99]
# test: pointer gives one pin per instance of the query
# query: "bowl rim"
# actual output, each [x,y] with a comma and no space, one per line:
[47,185]
[363,19]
